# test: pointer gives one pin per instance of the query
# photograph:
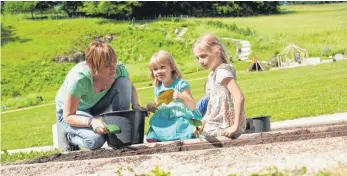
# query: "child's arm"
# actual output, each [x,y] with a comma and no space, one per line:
[152,107]
[232,86]
[186,97]
[155,99]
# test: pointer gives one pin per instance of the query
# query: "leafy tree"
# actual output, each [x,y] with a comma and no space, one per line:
[117,9]
[28,6]
[45,5]
[224,8]
[125,8]
[20,7]
[144,9]
[71,7]
[89,8]
[107,8]
[2,6]
[111,9]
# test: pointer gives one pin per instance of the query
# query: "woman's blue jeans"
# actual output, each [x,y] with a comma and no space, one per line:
[117,98]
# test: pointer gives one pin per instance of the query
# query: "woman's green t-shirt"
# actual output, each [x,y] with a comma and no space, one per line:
[79,83]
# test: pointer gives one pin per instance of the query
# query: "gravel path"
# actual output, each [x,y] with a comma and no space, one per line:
[315,154]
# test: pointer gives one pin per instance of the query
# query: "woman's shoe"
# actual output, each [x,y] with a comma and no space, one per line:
[68,145]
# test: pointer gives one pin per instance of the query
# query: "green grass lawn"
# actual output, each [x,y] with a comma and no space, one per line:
[282,94]
[312,27]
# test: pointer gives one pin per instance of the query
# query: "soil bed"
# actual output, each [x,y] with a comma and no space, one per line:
[198,144]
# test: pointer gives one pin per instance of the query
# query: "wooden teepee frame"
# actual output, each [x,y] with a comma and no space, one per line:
[291,49]
[258,65]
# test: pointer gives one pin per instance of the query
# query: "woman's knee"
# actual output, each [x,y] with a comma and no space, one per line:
[123,83]
[95,141]
[124,87]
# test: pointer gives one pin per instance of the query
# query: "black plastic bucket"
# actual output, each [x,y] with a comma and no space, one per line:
[132,126]
[261,124]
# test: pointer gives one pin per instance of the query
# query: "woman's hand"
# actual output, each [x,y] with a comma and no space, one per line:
[138,107]
[151,107]
[99,126]
[230,131]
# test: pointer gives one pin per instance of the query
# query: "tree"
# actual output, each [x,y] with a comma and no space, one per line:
[89,8]
[107,8]
[224,8]
[144,9]
[125,9]
[45,5]
[116,9]
[2,6]
[28,6]
[71,7]
[110,8]
[20,7]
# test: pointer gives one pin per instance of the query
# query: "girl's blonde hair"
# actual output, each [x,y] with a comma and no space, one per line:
[99,54]
[163,58]
[211,42]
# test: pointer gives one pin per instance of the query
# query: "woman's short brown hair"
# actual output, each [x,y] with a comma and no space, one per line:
[98,54]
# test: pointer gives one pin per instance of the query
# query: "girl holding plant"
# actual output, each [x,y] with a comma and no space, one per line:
[172,120]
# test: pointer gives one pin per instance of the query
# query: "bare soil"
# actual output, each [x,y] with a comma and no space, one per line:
[333,130]
[107,153]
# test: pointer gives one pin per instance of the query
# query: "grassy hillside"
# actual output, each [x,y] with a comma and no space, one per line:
[28,69]
[29,47]
[28,66]
[313,27]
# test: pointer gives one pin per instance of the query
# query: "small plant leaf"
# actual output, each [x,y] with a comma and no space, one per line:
[113,128]
[197,123]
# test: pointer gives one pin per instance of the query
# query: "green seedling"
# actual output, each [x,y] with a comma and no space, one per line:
[113,128]
[197,123]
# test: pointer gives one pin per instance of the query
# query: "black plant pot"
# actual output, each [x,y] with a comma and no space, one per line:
[258,124]
[131,123]
[261,124]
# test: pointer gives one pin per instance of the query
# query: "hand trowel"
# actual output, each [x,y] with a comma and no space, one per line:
[112,128]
